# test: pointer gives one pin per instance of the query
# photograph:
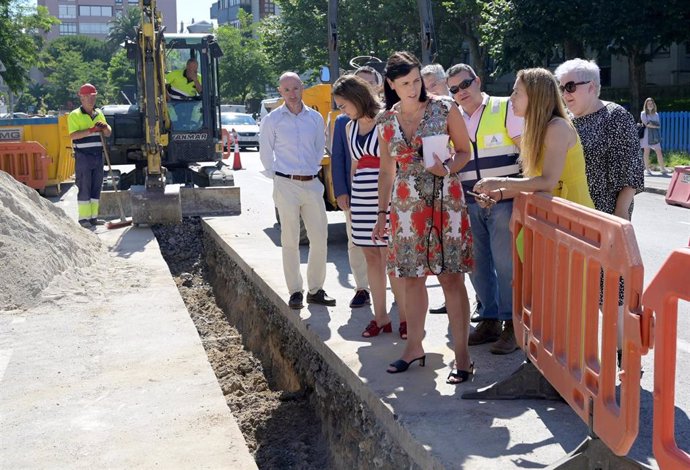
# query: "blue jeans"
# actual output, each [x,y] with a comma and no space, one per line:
[492,247]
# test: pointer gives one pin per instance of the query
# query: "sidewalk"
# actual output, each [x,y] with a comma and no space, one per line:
[439,429]
[657,183]
[113,378]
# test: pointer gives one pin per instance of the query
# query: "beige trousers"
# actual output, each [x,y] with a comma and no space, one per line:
[294,199]
[358,263]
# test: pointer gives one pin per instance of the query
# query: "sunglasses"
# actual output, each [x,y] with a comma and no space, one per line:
[463,85]
[571,86]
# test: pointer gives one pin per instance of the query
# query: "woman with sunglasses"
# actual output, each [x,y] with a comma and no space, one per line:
[651,138]
[356,99]
[551,155]
[429,228]
[609,139]
[615,169]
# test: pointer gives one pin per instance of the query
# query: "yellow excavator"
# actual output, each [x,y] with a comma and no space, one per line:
[175,146]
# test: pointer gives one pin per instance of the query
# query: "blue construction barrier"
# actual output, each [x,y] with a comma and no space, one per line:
[675,131]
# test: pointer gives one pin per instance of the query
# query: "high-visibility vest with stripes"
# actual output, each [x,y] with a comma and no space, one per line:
[80,120]
[180,86]
[493,151]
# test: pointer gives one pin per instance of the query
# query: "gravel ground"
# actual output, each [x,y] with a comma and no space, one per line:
[281,429]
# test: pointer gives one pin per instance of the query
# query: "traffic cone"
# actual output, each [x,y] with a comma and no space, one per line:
[236,164]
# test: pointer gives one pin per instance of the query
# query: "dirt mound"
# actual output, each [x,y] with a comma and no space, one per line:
[37,242]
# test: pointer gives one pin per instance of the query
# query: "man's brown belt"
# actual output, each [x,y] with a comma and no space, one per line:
[296,177]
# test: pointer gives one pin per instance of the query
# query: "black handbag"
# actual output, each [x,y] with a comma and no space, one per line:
[640,130]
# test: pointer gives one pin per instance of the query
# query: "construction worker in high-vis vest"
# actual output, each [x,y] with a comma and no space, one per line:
[85,125]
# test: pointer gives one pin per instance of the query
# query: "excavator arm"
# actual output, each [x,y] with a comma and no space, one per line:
[153,102]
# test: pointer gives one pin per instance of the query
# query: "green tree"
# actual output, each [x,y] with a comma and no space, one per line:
[88,47]
[21,28]
[124,27]
[458,21]
[243,69]
[638,29]
[64,75]
[528,33]
[121,76]
[297,40]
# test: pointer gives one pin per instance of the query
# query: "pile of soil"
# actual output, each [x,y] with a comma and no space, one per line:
[282,429]
[38,241]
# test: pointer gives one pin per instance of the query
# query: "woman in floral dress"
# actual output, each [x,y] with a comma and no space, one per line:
[429,229]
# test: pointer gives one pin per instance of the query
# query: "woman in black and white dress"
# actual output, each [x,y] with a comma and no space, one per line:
[356,98]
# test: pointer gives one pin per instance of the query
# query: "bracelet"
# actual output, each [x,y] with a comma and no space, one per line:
[382,212]
[501,191]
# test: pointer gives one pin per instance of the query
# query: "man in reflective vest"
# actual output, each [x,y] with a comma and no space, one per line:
[184,84]
[495,137]
[85,125]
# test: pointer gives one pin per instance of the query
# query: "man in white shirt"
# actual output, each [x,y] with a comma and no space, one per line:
[292,145]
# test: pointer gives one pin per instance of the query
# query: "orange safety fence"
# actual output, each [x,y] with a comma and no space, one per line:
[27,162]
[661,297]
[556,310]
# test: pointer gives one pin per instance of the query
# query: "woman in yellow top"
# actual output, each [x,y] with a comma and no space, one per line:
[551,155]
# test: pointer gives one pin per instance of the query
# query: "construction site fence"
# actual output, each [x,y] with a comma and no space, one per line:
[566,318]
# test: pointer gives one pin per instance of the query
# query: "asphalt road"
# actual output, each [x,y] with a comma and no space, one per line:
[660,228]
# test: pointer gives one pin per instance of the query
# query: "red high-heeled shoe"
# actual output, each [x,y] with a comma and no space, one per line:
[403,330]
[373,329]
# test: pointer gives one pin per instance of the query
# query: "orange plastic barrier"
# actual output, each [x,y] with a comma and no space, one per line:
[27,162]
[227,141]
[678,192]
[661,297]
[556,310]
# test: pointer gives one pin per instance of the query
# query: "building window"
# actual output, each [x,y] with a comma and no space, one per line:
[118,2]
[67,11]
[267,7]
[94,28]
[87,10]
[133,2]
[68,29]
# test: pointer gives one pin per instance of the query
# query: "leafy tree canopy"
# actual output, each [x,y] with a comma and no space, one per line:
[244,70]
[21,28]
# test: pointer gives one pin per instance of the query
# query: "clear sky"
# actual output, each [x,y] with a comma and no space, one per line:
[197,9]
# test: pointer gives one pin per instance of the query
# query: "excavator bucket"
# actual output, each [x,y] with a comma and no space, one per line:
[168,207]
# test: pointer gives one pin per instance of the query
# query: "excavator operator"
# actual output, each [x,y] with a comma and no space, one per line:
[184,84]
[184,94]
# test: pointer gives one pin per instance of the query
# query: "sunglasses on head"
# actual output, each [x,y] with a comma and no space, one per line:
[571,86]
[462,85]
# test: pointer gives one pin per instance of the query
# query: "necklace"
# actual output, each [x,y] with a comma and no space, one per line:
[412,118]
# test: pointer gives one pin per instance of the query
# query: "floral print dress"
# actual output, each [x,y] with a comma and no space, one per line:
[429,225]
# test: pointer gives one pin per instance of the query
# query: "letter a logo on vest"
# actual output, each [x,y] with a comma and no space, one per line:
[493,140]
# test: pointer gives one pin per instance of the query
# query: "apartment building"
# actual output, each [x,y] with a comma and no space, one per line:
[92,17]
[227,11]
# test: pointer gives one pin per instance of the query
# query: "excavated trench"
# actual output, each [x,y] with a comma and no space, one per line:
[293,409]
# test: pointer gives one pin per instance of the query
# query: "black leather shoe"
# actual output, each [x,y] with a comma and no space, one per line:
[360,299]
[94,221]
[295,301]
[321,298]
[441,309]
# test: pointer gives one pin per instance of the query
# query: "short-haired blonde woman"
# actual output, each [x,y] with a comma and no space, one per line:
[551,154]
[652,135]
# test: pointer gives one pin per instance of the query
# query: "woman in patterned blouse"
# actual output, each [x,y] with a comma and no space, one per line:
[429,226]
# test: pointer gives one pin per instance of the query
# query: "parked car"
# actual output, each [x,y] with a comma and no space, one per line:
[246,127]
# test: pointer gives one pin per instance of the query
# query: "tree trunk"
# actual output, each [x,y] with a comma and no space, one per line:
[573,49]
[478,55]
[637,79]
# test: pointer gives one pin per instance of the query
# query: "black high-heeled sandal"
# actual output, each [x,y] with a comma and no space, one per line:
[462,375]
[401,365]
